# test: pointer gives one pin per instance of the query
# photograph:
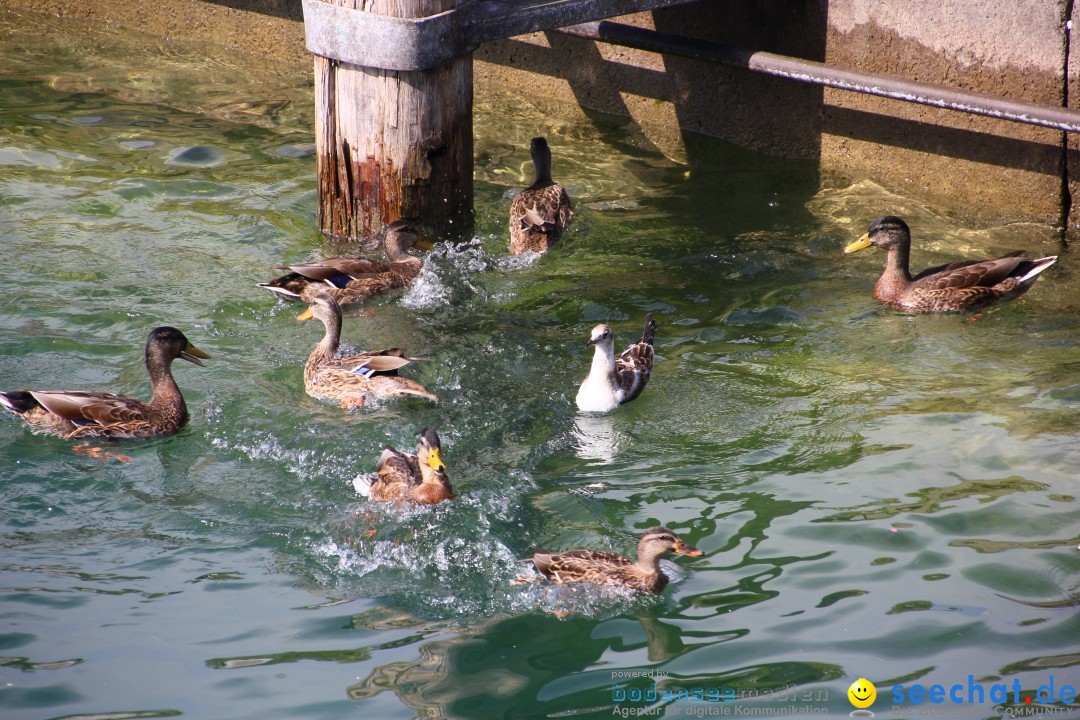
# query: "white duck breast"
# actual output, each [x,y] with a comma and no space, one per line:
[615,380]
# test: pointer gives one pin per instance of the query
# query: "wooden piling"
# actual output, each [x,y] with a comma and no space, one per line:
[394,144]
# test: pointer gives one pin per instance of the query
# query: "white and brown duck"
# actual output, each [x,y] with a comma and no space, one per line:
[615,380]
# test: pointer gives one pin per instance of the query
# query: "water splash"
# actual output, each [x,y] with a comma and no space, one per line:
[446,277]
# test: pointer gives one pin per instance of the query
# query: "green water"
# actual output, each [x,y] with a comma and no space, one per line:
[877,496]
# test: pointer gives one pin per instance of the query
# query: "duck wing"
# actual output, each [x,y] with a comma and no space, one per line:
[92,407]
[538,217]
[397,474]
[634,365]
[546,208]
[330,268]
[577,565]
[383,362]
[970,273]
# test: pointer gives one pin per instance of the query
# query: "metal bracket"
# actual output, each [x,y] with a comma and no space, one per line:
[379,41]
[390,43]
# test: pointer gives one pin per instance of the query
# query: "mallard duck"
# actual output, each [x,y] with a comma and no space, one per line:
[353,280]
[99,414]
[613,381]
[957,287]
[604,568]
[351,378]
[420,478]
[540,213]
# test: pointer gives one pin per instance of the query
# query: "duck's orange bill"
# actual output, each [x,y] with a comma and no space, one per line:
[684,549]
[306,315]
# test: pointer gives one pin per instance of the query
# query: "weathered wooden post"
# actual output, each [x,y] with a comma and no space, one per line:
[393,131]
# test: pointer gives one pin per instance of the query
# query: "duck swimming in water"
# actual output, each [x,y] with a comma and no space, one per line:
[962,286]
[604,568]
[540,213]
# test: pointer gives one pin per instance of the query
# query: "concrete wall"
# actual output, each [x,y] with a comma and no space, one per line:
[983,169]
[989,167]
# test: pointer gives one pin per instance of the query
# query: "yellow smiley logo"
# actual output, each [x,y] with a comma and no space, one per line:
[862,693]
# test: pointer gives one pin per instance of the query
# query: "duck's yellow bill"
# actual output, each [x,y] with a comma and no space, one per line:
[424,244]
[306,315]
[684,549]
[860,244]
[434,461]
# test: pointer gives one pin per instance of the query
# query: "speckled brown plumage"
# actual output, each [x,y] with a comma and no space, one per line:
[604,568]
[409,478]
[351,378]
[352,280]
[540,213]
[76,414]
[956,287]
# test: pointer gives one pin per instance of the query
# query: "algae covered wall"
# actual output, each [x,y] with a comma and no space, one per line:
[981,168]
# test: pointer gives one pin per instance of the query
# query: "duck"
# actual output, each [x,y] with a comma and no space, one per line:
[604,568]
[616,380]
[350,379]
[540,213]
[351,280]
[78,414]
[402,477]
[963,286]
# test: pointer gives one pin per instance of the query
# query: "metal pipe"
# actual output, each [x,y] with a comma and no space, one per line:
[822,74]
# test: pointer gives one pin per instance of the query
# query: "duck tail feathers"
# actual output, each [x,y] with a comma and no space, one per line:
[279,291]
[18,401]
[362,484]
[650,330]
[1036,267]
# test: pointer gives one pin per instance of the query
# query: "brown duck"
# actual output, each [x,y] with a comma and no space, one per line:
[74,414]
[351,378]
[604,568]
[957,287]
[352,280]
[402,477]
[540,213]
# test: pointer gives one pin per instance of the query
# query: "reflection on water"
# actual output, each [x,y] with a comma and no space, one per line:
[877,495]
[596,437]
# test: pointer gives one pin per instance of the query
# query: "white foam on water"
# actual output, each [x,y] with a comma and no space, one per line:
[445,277]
